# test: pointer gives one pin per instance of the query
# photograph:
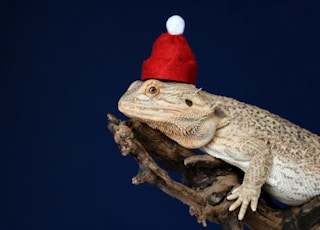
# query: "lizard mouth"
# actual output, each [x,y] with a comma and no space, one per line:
[144,112]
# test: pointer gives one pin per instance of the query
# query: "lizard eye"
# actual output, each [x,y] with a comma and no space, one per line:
[153,90]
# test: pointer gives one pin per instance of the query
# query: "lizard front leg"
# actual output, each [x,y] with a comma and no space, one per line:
[255,176]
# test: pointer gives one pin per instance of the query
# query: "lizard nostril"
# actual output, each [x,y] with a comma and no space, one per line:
[188,102]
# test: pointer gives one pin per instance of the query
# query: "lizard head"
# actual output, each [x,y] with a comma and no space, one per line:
[179,110]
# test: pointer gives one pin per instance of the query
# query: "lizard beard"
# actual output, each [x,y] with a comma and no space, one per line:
[196,134]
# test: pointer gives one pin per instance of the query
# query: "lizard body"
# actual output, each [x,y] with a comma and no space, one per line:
[275,154]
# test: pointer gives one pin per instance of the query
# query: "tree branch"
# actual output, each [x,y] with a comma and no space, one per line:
[206,181]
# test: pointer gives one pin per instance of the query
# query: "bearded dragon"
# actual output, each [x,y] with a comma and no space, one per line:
[275,155]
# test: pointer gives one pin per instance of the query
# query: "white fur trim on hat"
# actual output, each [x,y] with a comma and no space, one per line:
[175,25]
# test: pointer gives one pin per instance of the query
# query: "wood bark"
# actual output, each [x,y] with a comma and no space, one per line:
[206,181]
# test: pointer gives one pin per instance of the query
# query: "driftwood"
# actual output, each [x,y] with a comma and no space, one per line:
[206,181]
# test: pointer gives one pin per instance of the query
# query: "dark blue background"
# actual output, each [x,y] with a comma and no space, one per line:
[66,63]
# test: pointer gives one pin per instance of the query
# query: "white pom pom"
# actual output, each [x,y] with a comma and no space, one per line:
[175,25]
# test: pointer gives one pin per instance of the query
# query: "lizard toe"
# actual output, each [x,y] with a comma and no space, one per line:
[235,193]
[246,195]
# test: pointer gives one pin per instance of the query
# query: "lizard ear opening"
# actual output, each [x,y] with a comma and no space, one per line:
[188,102]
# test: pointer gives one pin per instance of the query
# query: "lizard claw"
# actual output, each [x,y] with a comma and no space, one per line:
[245,195]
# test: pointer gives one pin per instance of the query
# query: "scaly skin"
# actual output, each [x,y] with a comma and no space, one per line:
[276,155]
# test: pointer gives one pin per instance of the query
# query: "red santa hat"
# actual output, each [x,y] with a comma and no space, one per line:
[171,58]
